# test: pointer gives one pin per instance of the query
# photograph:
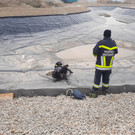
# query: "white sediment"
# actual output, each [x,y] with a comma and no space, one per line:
[113,114]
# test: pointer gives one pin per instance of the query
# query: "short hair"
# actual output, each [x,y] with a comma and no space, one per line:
[66,65]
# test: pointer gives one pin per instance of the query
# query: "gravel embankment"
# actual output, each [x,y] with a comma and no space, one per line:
[113,114]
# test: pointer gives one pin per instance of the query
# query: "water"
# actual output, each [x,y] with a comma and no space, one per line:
[29,46]
[103,8]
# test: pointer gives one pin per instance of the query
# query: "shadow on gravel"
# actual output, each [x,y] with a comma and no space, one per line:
[56,92]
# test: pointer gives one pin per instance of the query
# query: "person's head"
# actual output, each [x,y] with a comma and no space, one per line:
[59,63]
[107,33]
[66,65]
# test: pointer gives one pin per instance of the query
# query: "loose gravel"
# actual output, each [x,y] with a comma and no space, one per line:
[113,114]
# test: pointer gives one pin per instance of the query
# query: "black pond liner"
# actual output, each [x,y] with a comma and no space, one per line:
[59,91]
[33,24]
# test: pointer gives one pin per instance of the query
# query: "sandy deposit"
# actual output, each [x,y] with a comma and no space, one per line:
[85,52]
[16,11]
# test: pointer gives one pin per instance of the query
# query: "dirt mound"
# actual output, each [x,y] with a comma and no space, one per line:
[39,7]
[31,3]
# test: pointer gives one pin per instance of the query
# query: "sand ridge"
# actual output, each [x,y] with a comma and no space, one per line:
[10,12]
[77,7]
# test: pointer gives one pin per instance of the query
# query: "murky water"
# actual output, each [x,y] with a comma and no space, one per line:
[28,46]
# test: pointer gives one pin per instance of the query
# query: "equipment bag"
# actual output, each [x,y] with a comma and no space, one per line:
[76,93]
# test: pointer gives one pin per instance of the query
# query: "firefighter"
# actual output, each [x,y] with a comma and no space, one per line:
[56,72]
[60,72]
[65,69]
[104,51]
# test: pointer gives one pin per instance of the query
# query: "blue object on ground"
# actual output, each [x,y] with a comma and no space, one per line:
[69,1]
[78,95]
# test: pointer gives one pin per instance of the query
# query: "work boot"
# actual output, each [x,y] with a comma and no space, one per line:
[93,94]
[104,92]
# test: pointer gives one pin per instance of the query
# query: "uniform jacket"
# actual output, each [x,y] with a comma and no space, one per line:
[105,51]
[64,70]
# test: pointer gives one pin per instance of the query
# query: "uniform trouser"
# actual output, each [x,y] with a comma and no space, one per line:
[105,75]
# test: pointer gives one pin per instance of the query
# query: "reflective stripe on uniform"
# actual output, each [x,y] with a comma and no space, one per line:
[103,68]
[94,55]
[102,62]
[105,85]
[104,59]
[108,48]
[95,85]
[100,66]
[103,65]
[57,65]
[111,61]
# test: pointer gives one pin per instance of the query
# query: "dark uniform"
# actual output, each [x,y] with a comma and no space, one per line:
[104,51]
[60,71]
[64,70]
[56,72]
